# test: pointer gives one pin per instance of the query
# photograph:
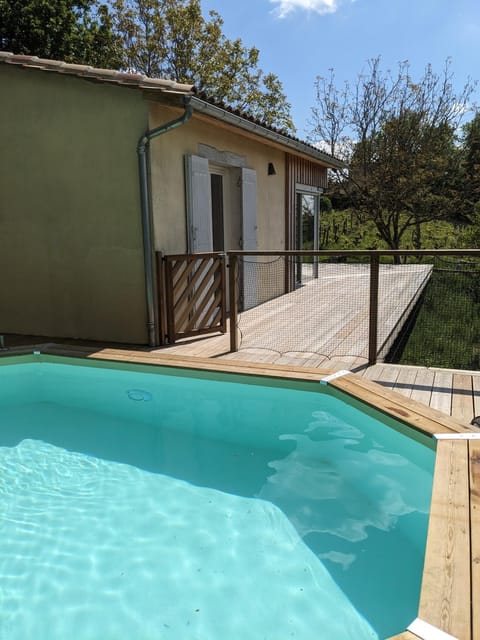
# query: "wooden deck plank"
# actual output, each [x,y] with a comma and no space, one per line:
[462,398]
[405,381]
[422,389]
[441,398]
[340,363]
[373,372]
[314,361]
[474,453]
[445,596]
[267,369]
[388,377]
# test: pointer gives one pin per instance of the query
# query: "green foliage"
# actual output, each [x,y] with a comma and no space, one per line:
[405,168]
[77,31]
[471,153]
[172,39]
[158,38]
[470,234]
[325,204]
[347,230]
[350,229]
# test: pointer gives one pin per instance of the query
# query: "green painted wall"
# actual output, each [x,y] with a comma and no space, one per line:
[71,256]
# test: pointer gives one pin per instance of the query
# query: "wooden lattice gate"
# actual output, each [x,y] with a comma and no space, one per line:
[193,295]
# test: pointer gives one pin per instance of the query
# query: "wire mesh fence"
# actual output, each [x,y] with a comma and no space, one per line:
[359,307]
[304,304]
[443,328]
[400,290]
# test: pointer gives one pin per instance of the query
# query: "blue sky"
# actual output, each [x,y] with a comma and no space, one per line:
[301,39]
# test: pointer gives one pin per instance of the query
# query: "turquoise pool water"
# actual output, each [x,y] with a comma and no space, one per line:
[184,507]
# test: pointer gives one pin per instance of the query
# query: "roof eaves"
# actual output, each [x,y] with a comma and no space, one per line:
[99,75]
[156,86]
[253,126]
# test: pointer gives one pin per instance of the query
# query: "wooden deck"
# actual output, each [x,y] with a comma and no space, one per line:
[327,319]
[455,393]
[329,316]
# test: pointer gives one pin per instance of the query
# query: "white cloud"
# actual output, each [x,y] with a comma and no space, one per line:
[318,6]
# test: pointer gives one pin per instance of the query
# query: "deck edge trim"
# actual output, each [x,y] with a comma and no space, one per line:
[426,631]
[457,436]
[334,376]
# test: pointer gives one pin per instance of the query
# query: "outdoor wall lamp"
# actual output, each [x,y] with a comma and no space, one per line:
[271,169]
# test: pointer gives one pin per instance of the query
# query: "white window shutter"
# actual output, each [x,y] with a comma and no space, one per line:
[199,205]
[249,210]
[249,238]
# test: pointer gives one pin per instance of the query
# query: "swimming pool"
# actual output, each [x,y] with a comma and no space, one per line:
[143,502]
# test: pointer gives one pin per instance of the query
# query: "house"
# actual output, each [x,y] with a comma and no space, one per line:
[99,169]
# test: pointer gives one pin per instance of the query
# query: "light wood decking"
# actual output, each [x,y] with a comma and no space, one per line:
[455,393]
[450,596]
[327,319]
[329,316]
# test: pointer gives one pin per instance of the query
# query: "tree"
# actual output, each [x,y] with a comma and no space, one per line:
[172,39]
[471,147]
[78,31]
[399,138]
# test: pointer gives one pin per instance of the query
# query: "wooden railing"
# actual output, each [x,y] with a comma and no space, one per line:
[193,288]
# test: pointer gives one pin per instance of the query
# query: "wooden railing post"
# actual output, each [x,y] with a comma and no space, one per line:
[233,291]
[223,304]
[373,321]
[161,300]
[170,301]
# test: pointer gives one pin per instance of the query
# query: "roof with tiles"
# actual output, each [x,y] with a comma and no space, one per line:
[99,75]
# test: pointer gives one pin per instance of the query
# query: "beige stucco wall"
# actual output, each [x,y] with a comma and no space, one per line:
[71,257]
[168,180]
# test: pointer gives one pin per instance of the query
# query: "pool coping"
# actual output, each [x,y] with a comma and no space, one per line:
[450,591]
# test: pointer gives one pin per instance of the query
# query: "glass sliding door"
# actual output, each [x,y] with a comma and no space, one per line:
[306,232]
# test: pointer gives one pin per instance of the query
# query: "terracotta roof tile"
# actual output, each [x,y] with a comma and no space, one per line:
[99,75]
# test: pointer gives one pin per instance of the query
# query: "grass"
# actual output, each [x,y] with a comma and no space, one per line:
[445,329]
